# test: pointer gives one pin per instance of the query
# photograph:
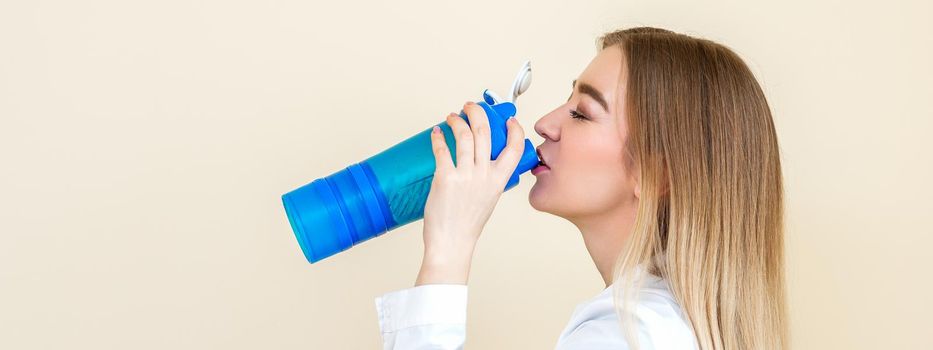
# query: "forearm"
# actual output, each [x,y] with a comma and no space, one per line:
[446,263]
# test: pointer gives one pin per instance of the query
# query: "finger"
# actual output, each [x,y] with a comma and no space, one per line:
[463,136]
[442,161]
[512,153]
[479,123]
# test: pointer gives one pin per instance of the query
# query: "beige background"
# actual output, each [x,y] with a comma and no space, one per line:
[144,147]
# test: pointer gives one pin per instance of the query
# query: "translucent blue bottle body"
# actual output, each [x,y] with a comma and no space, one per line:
[388,190]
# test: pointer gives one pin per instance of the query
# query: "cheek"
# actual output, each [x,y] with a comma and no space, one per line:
[593,175]
[597,170]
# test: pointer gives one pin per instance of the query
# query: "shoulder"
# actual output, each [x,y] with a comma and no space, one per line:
[658,320]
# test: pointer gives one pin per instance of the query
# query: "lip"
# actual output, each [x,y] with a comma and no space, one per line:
[541,160]
[540,169]
[542,163]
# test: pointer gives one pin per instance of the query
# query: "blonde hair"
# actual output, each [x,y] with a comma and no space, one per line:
[710,214]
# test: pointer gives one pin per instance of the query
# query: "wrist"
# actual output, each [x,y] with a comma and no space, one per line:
[445,267]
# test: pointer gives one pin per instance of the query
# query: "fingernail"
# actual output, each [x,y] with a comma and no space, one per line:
[435,130]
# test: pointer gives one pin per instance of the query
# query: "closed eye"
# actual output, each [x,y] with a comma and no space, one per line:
[576,115]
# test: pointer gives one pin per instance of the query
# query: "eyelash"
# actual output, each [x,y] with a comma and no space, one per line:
[575,115]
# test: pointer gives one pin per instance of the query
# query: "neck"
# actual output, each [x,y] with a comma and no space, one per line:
[604,236]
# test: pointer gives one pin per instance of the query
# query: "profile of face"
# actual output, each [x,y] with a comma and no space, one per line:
[583,147]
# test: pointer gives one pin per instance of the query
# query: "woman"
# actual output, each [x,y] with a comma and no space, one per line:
[666,158]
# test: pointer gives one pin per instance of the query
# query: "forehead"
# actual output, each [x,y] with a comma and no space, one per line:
[603,72]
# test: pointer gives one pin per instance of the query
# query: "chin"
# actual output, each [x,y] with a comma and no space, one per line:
[538,199]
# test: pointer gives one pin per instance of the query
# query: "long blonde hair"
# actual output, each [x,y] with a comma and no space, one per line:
[710,214]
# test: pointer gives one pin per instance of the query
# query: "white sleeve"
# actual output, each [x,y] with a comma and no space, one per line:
[429,316]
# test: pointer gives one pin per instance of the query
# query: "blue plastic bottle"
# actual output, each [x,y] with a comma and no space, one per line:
[385,191]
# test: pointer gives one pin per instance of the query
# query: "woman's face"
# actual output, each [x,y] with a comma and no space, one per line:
[587,176]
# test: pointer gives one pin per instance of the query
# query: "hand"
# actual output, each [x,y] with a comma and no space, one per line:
[462,197]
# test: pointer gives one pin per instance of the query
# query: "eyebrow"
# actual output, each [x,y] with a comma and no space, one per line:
[595,94]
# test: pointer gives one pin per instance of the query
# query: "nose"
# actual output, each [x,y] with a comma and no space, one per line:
[548,127]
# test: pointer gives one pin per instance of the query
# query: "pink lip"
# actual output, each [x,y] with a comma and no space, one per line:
[539,169]
[542,166]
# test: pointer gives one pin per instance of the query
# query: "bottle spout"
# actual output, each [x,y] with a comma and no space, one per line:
[522,81]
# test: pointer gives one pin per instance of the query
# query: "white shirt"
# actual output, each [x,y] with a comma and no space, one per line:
[433,316]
